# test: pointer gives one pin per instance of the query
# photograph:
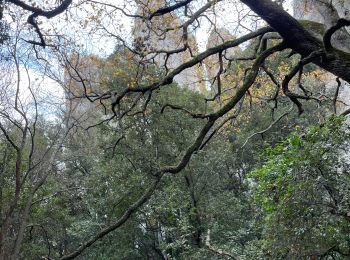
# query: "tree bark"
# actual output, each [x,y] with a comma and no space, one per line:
[299,39]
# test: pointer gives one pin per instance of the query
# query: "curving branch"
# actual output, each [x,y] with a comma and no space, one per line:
[168,9]
[36,12]
[195,146]
[118,9]
[328,35]
[168,79]
[299,38]
[174,107]
[267,128]
[346,112]
[293,96]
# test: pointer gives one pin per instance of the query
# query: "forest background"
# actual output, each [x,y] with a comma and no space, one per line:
[128,134]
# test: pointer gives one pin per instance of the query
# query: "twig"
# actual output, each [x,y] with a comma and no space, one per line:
[266,129]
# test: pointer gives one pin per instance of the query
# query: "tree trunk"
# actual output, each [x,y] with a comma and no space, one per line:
[299,39]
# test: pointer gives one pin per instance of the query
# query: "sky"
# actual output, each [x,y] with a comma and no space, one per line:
[94,42]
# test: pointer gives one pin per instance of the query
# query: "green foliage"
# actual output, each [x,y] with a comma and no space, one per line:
[303,190]
[295,204]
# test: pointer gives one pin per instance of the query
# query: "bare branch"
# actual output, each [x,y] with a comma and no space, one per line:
[293,96]
[165,10]
[328,35]
[194,115]
[336,94]
[266,129]
[186,156]
[36,12]
[199,58]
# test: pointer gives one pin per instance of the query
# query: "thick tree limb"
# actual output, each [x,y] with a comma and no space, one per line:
[293,96]
[168,79]
[328,35]
[36,12]
[216,250]
[145,197]
[212,118]
[169,9]
[299,39]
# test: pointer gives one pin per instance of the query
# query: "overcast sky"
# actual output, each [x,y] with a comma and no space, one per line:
[96,43]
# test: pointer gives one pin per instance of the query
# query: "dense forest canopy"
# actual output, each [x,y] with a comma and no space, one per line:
[174,129]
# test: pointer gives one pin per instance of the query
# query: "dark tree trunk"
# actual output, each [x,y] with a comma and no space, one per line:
[299,39]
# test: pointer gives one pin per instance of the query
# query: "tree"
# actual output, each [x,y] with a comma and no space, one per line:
[300,40]
[302,189]
[29,143]
[36,11]
[163,51]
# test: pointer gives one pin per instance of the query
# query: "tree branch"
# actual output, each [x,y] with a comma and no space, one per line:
[299,39]
[249,80]
[266,129]
[165,10]
[328,35]
[194,115]
[36,12]
[168,79]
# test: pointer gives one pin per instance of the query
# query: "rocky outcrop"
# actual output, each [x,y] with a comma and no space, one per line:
[82,77]
[216,37]
[154,41]
[328,12]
